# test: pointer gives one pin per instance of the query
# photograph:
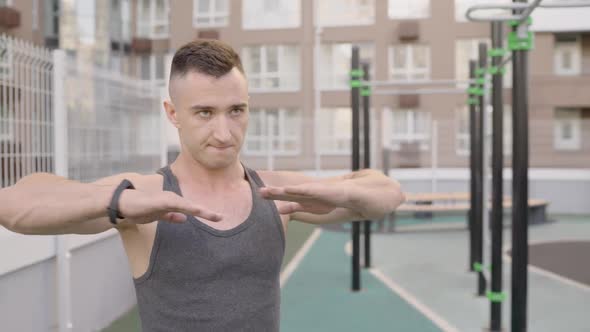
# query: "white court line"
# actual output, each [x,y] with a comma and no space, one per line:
[413,301]
[294,263]
[408,297]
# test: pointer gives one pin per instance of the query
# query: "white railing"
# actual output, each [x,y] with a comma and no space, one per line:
[63,116]
[26,117]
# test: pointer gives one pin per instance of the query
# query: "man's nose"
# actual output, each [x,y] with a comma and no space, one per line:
[221,130]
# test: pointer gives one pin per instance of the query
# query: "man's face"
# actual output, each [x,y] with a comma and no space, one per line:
[211,115]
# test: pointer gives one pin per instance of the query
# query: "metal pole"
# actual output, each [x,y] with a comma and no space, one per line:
[63,254]
[434,156]
[472,166]
[479,178]
[520,192]
[316,85]
[366,93]
[355,102]
[497,178]
[270,123]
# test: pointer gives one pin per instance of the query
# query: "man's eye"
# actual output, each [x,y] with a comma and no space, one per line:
[204,114]
[237,111]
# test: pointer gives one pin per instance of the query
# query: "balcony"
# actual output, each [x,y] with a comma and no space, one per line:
[9,17]
[141,45]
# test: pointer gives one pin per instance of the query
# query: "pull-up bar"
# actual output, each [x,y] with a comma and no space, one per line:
[416,82]
[526,8]
[418,91]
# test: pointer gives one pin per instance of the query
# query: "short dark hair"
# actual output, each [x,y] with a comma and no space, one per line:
[206,56]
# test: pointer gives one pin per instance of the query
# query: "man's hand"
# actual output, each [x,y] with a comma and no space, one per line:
[139,207]
[313,197]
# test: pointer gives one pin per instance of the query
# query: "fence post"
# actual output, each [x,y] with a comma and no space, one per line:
[63,255]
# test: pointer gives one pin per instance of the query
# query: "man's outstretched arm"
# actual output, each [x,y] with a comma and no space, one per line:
[365,194]
[43,203]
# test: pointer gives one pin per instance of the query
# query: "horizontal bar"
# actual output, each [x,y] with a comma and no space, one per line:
[527,10]
[417,82]
[419,91]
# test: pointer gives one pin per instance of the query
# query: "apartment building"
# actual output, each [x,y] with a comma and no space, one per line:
[402,40]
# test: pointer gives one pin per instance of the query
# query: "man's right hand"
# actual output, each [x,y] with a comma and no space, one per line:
[139,207]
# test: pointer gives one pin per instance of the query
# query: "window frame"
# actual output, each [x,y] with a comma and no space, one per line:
[407,17]
[575,47]
[353,8]
[212,15]
[280,74]
[152,23]
[246,25]
[390,137]
[408,72]
[575,143]
[281,137]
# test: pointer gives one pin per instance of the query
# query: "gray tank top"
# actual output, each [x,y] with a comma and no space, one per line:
[203,279]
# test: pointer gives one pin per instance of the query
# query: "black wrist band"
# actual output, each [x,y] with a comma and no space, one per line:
[113,208]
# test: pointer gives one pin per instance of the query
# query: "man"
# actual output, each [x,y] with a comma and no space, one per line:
[204,236]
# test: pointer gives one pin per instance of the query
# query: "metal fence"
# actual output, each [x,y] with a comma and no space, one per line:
[26,114]
[110,123]
[61,115]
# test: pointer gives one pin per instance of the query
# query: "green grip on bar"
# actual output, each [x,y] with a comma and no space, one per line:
[480,71]
[515,43]
[365,91]
[355,84]
[478,267]
[357,73]
[514,23]
[493,70]
[496,297]
[472,101]
[480,81]
[475,91]
[497,52]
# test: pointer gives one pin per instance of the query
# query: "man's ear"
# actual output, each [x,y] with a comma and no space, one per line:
[171,113]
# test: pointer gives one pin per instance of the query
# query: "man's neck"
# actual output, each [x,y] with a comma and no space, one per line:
[196,175]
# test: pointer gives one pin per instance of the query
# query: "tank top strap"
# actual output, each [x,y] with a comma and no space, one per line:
[170,181]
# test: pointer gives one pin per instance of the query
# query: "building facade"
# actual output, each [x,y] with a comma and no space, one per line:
[403,40]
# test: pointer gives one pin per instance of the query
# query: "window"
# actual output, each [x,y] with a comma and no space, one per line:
[409,62]
[402,9]
[86,19]
[406,126]
[272,67]
[35,15]
[468,49]
[334,70]
[120,21]
[567,129]
[462,139]
[151,68]
[210,13]
[52,12]
[567,55]
[335,130]
[152,19]
[271,14]
[280,127]
[346,12]
[461,7]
